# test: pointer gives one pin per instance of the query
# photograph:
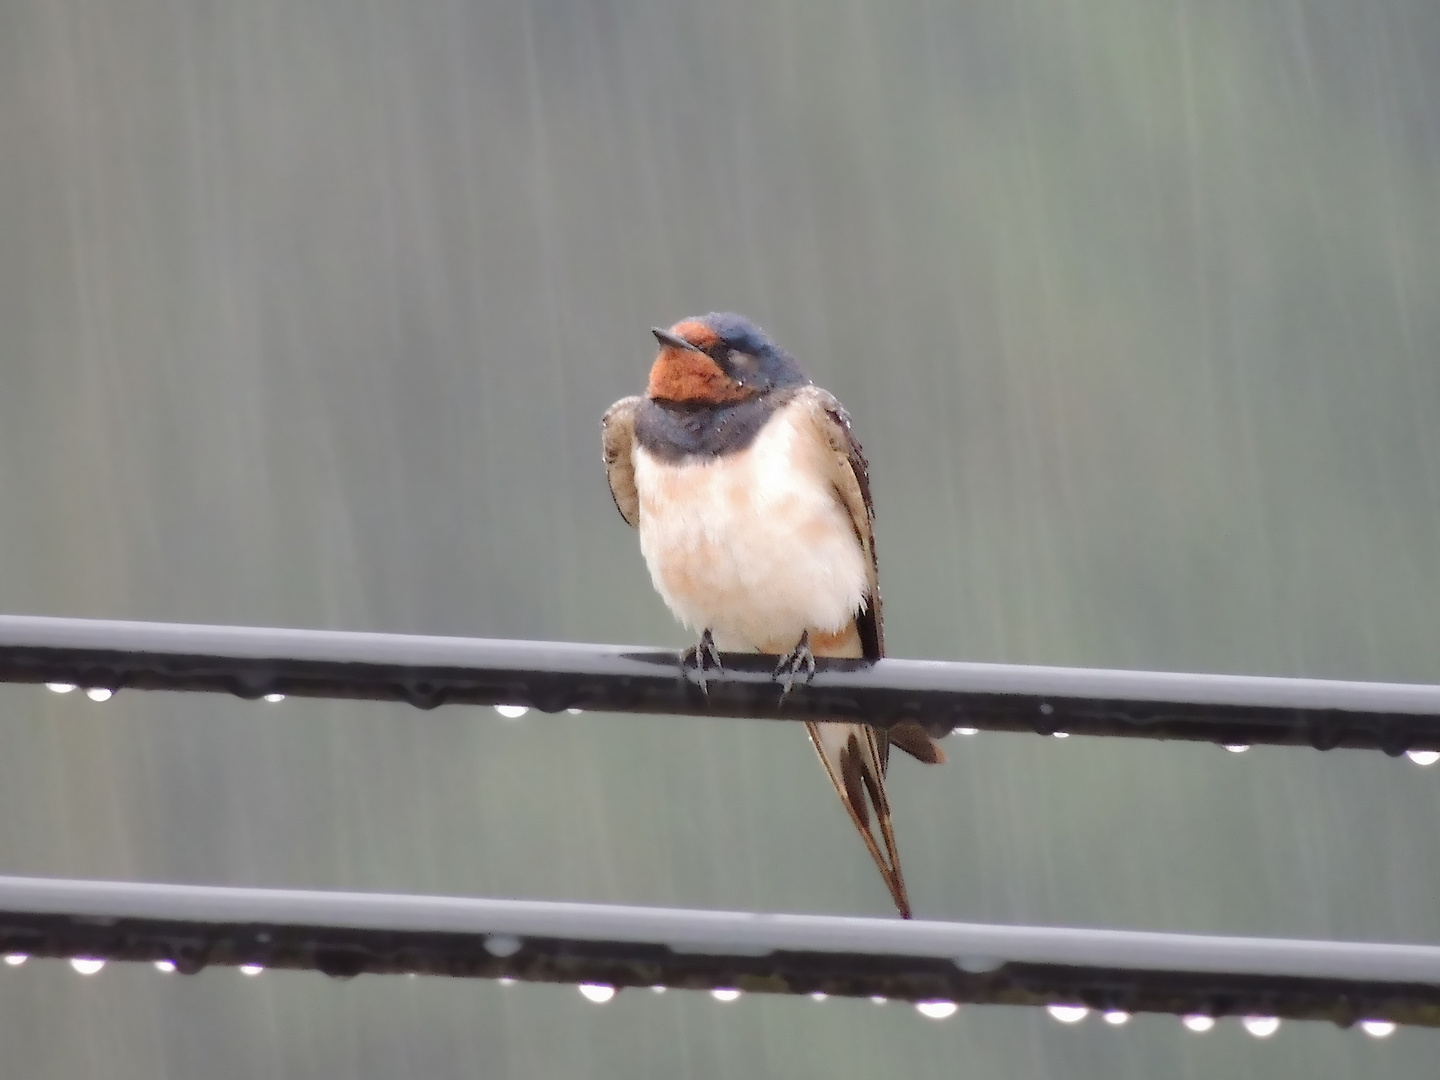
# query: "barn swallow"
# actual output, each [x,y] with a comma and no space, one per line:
[752,500]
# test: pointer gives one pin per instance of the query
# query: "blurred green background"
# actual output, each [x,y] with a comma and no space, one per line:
[308,312]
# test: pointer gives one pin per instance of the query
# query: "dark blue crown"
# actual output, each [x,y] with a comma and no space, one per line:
[777,367]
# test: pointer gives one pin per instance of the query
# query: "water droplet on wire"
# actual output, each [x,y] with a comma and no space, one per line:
[597,992]
[503,945]
[1262,1027]
[936,1010]
[1068,1014]
[86,965]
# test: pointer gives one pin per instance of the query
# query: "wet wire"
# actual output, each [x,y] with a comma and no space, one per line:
[605,948]
[1235,711]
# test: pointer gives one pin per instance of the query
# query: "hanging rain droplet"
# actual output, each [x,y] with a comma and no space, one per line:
[936,1010]
[1262,1027]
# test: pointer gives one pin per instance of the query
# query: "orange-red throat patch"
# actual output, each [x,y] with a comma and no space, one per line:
[686,375]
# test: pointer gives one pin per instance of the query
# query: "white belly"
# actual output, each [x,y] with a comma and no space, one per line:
[755,545]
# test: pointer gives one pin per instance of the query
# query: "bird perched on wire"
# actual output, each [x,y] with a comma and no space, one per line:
[752,500]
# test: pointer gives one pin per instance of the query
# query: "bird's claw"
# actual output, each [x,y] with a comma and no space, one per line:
[703,655]
[790,667]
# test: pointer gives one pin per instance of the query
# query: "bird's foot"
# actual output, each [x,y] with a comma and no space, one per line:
[704,656]
[789,668]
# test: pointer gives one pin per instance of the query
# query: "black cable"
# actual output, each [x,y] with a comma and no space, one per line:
[551,676]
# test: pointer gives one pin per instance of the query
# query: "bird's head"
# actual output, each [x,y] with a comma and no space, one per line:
[717,359]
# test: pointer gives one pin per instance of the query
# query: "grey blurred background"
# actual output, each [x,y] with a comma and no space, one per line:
[309,309]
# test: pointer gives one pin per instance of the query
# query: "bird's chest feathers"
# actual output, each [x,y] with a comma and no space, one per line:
[755,544]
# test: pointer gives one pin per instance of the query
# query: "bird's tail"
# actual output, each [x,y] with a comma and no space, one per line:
[854,756]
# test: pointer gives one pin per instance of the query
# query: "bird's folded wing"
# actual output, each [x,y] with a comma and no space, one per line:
[849,474]
[617,436]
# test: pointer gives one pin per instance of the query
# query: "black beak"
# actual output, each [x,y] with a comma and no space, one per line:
[667,338]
